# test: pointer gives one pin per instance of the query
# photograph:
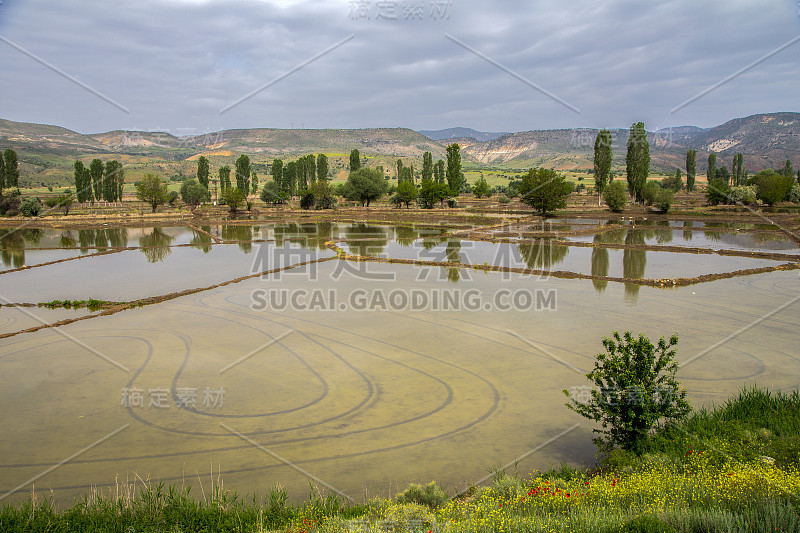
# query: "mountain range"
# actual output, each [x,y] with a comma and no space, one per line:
[766,140]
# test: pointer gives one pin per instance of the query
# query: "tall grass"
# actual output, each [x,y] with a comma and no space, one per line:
[733,467]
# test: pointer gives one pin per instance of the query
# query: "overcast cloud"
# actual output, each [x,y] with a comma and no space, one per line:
[174,64]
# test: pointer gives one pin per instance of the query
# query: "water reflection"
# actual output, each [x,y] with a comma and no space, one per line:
[634,262]
[242,234]
[156,245]
[543,254]
[202,241]
[307,235]
[14,241]
[102,239]
[372,240]
[405,235]
[688,233]
[453,254]
[600,264]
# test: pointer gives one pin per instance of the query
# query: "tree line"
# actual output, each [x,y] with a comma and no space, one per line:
[99,181]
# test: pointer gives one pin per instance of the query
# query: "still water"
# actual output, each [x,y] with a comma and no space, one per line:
[356,373]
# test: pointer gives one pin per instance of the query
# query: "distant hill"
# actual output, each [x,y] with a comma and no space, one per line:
[466,133]
[766,140]
[47,152]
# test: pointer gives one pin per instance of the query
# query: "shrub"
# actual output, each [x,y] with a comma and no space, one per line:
[9,202]
[452,202]
[774,188]
[650,192]
[636,391]
[503,199]
[431,495]
[672,183]
[482,189]
[30,207]
[616,196]
[193,193]
[743,194]
[272,194]
[663,200]
[794,194]
[717,192]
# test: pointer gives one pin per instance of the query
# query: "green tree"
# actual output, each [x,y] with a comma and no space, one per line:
[234,198]
[114,181]
[193,193]
[615,196]
[773,187]
[355,160]
[202,171]
[691,169]
[271,193]
[224,180]
[243,173]
[2,173]
[432,193]
[717,192]
[365,185]
[738,170]
[322,167]
[277,172]
[602,161]
[545,190]
[438,171]
[481,188]
[254,183]
[11,170]
[290,178]
[427,166]
[83,183]
[711,171]
[637,160]
[454,168]
[636,391]
[788,171]
[406,193]
[96,169]
[152,191]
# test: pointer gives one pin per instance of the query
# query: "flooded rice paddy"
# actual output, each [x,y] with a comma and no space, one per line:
[358,375]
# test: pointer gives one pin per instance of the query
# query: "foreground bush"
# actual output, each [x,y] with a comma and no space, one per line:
[616,196]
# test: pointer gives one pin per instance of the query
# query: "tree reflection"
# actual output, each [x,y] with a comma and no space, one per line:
[241,234]
[453,254]
[600,264]
[13,244]
[634,262]
[687,233]
[371,241]
[543,254]
[308,235]
[156,246]
[202,241]
[405,235]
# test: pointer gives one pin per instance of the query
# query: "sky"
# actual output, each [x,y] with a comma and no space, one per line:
[195,66]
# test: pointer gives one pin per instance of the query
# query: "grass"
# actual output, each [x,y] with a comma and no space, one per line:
[712,473]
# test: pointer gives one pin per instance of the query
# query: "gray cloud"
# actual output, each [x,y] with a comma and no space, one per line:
[176,63]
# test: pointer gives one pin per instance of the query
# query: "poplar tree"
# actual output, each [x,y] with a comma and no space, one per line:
[322,167]
[454,168]
[427,166]
[691,169]
[602,161]
[202,171]
[637,160]
[11,171]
